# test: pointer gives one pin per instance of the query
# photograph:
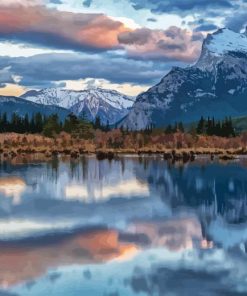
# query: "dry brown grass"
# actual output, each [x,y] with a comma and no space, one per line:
[12,144]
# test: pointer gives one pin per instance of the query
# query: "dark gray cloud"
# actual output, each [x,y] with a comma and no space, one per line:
[237,21]
[87,274]
[139,37]
[165,46]
[234,12]
[87,3]
[6,293]
[6,76]
[191,282]
[53,277]
[50,40]
[152,20]
[206,28]
[56,1]
[195,22]
[44,70]
[180,6]
[202,25]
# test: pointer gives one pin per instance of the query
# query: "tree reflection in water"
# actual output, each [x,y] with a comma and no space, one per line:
[87,211]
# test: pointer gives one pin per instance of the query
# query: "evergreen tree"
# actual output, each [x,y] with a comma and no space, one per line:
[169,129]
[181,127]
[52,126]
[107,128]
[71,123]
[201,126]
[221,129]
[97,124]
[26,125]
[38,122]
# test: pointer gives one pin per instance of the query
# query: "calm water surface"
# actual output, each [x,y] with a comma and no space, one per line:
[127,227]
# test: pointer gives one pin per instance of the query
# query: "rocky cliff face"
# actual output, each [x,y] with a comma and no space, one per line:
[214,86]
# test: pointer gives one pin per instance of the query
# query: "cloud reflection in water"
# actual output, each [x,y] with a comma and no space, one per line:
[128,188]
[126,227]
[12,187]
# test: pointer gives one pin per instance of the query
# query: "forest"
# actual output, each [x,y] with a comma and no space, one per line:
[80,127]
[47,134]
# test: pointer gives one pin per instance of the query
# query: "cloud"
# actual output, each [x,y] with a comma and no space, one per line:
[172,44]
[58,29]
[152,20]
[43,70]
[180,6]
[165,281]
[237,21]
[28,21]
[56,1]
[206,28]
[118,54]
[87,3]
[28,2]
[18,3]
[137,37]
[51,28]
[5,293]
[201,25]
[6,76]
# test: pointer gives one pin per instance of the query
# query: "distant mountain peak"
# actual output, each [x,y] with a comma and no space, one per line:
[108,104]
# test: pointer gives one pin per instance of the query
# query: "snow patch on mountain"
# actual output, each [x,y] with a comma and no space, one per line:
[110,105]
[216,85]
[225,40]
[53,96]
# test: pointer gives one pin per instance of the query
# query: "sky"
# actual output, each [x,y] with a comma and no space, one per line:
[126,45]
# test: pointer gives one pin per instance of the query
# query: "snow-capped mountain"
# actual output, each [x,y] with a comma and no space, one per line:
[109,105]
[53,96]
[22,107]
[216,85]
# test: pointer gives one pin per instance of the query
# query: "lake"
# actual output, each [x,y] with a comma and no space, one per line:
[131,226]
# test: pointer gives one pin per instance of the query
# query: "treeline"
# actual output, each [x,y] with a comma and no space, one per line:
[82,128]
[177,127]
[211,127]
[48,125]
[19,124]
[97,124]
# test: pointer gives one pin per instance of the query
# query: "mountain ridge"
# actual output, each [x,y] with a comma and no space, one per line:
[109,105]
[216,85]
[12,104]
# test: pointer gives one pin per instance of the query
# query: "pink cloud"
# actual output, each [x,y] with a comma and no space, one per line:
[72,30]
[173,43]
[93,32]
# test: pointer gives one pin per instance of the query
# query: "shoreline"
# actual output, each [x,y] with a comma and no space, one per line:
[14,145]
[175,155]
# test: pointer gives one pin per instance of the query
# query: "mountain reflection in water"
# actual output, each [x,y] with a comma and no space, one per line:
[123,227]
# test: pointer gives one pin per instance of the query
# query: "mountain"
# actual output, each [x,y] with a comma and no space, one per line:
[53,96]
[216,85]
[23,107]
[240,124]
[109,105]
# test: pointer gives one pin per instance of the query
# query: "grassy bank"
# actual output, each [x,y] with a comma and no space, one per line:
[107,145]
